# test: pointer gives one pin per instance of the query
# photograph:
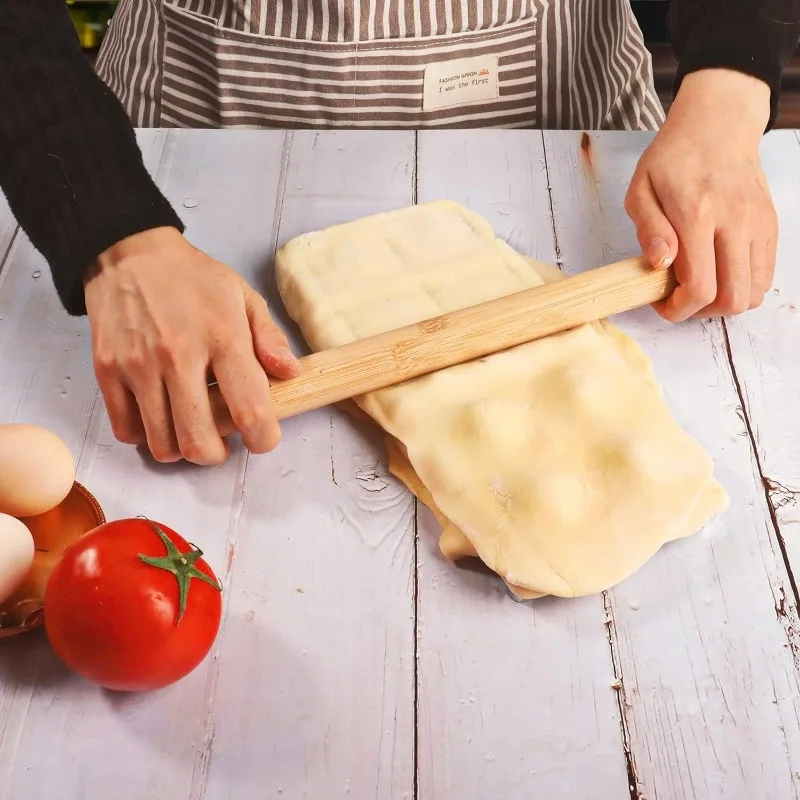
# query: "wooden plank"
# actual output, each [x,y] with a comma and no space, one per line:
[515,700]
[314,681]
[47,380]
[710,686]
[97,744]
[765,345]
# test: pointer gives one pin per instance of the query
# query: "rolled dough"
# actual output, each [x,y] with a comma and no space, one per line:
[557,462]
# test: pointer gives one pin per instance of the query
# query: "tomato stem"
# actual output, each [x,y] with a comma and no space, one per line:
[181,565]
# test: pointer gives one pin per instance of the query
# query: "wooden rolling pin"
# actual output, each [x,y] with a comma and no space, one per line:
[331,376]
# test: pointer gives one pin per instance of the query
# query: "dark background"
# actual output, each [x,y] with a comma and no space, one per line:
[652,18]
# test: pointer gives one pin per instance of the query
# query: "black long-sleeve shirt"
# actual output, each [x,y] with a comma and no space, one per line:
[73,174]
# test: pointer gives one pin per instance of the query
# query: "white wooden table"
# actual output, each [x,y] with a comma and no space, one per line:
[353,662]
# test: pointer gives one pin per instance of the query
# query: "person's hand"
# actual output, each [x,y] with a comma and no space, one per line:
[699,198]
[166,319]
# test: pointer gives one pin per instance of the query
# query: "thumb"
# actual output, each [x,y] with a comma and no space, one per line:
[269,341]
[655,233]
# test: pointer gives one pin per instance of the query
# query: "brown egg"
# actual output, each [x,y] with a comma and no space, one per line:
[37,470]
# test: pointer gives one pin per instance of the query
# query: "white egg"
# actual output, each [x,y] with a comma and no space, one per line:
[16,554]
[36,470]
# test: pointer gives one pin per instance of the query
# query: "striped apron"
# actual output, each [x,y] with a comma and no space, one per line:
[402,64]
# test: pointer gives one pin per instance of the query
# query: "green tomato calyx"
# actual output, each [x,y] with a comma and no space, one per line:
[181,565]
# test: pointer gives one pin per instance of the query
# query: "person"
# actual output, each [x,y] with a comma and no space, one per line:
[75,181]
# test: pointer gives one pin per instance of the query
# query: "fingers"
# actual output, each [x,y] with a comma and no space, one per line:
[704,203]
[171,414]
[722,241]
[245,389]
[221,412]
[154,407]
[140,413]
[695,271]
[197,436]
[758,288]
[155,357]
[656,236]
[123,411]
[732,251]
[269,341]
[168,405]
[762,263]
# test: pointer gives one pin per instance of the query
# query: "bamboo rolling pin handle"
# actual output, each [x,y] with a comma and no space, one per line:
[376,362]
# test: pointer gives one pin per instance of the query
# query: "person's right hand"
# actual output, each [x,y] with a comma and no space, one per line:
[166,320]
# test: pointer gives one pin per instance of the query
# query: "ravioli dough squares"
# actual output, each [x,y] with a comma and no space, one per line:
[556,462]
[380,273]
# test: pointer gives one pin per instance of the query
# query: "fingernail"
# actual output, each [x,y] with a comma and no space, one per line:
[287,356]
[658,253]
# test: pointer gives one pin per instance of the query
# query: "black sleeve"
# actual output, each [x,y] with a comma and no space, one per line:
[757,37]
[70,166]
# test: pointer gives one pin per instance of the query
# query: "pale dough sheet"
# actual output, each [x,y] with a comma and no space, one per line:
[557,462]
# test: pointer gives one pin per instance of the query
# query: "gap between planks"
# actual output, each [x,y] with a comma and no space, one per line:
[556,243]
[784,606]
[415,567]
[290,216]
[202,764]
[788,620]
[610,624]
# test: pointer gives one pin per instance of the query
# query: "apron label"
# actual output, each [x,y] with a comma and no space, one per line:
[455,83]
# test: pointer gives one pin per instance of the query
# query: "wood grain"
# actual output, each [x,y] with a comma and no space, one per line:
[514,700]
[48,380]
[353,660]
[765,345]
[147,746]
[314,668]
[703,635]
[388,358]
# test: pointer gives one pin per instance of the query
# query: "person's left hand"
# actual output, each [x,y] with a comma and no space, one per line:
[699,198]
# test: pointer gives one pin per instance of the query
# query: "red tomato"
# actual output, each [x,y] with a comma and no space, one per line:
[113,608]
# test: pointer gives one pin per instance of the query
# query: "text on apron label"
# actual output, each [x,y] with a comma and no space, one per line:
[455,83]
